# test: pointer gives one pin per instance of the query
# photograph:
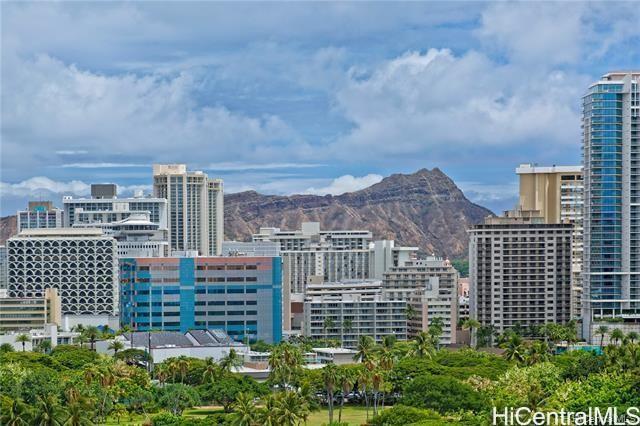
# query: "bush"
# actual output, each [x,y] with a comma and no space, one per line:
[577,365]
[74,357]
[401,415]
[442,393]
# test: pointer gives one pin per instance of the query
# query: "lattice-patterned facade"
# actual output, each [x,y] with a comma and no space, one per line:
[82,267]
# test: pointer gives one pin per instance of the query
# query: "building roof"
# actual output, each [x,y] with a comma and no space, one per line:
[532,168]
[167,339]
[61,232]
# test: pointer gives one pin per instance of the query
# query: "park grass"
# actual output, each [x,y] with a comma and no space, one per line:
[352,415]
[135,420]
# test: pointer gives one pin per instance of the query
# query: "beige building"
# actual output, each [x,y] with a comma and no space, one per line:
[30,313]
[520,271]
[557,193]
[430,287]
[196,208]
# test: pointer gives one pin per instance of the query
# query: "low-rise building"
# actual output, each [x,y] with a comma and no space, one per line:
[30,313]
[338,356]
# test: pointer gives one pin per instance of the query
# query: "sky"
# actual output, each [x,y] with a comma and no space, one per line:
[306,97]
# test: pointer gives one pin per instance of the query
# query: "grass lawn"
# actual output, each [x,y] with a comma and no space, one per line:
[353,415]
[125,421]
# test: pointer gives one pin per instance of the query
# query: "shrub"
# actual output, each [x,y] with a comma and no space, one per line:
[401,415]
[442,393]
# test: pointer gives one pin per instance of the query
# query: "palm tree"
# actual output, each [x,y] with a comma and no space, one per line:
[23,338]
[617,335]
[347,380]
[118,411]
[347,326]
[92,333]
[79,414]
[364,379]
[231,361]
[116,346]
[245,411]
[49,412]
[601,331]
[211,370]
[44,346]
[410,312]
[538,352]
[435,331]
[364,348]
[182,366]
[471,325]
[514,349]
[330,379]
[6,347]
[285,363]
[14,412]
[422,345]
[376,383]
[633,336]
[267,416]
[82,339]
[290,409]
[326,325]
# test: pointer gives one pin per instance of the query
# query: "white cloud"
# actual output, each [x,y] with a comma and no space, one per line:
[72,152]
[238,166]
[101,165]
[41,185]
[431,102]
[346,183]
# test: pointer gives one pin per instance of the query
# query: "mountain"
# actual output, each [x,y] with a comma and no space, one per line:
[424,209]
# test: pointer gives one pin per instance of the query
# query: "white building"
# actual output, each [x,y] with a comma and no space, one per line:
[430,287]
[385,255]
[251,249]
[82,264]
[39,214]
[49,332]
[346,311]
[195,205]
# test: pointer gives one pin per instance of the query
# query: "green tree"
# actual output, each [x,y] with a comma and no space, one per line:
[633,336]
[442,393]
[92,334]
[330,379]
[14,412]
[327,324]
[177,397]
[231,361]
[347,379]
[514,349]
[347,327]
[364,350]
[49,412]
[23,338]
[410,312]
[422,345]
[616,336]
[471,325]
[116,346]
[538,351]
[290,409]
[79,414]
[285,363]
[44,346]
[245,410]
[601,331]
[6,347]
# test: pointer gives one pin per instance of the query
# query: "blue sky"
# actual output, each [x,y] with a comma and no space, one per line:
[298,97]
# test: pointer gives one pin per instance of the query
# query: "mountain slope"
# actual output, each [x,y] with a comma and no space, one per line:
[425,209]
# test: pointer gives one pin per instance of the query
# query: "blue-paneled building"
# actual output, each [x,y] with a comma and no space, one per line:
[240,295]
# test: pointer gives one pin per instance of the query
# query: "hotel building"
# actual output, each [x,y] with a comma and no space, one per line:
[39,214]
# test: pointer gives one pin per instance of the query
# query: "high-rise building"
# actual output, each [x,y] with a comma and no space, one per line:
[4,279]
[520,271]
[557,192]
[81,264]
[240,295]
[385,255]
[39,214]
[344,311]
[104,207]
[611,143]
[430,287]
[195,205]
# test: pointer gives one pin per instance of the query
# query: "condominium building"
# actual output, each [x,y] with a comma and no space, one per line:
[105,207]
[385,255]
[344,311]
[611,143]
[430,287]
[39,214]
[240,295]
[557,192]
[520,271]
[81,264]
[252,248]
[32,312]
[333,255]
[195,205]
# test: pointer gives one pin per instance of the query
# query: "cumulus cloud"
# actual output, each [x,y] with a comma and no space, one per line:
[43,185]
[239,166]
[346,183]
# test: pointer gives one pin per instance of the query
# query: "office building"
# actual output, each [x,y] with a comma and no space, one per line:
[430,287]
[195,205]
[39,214]
[30,313]
[105,207]
[81,264]
[520,271]
[240,295]
[557,192]
[611,143]
[344,311]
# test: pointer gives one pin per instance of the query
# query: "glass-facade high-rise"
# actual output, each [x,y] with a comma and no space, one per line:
[611,142]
